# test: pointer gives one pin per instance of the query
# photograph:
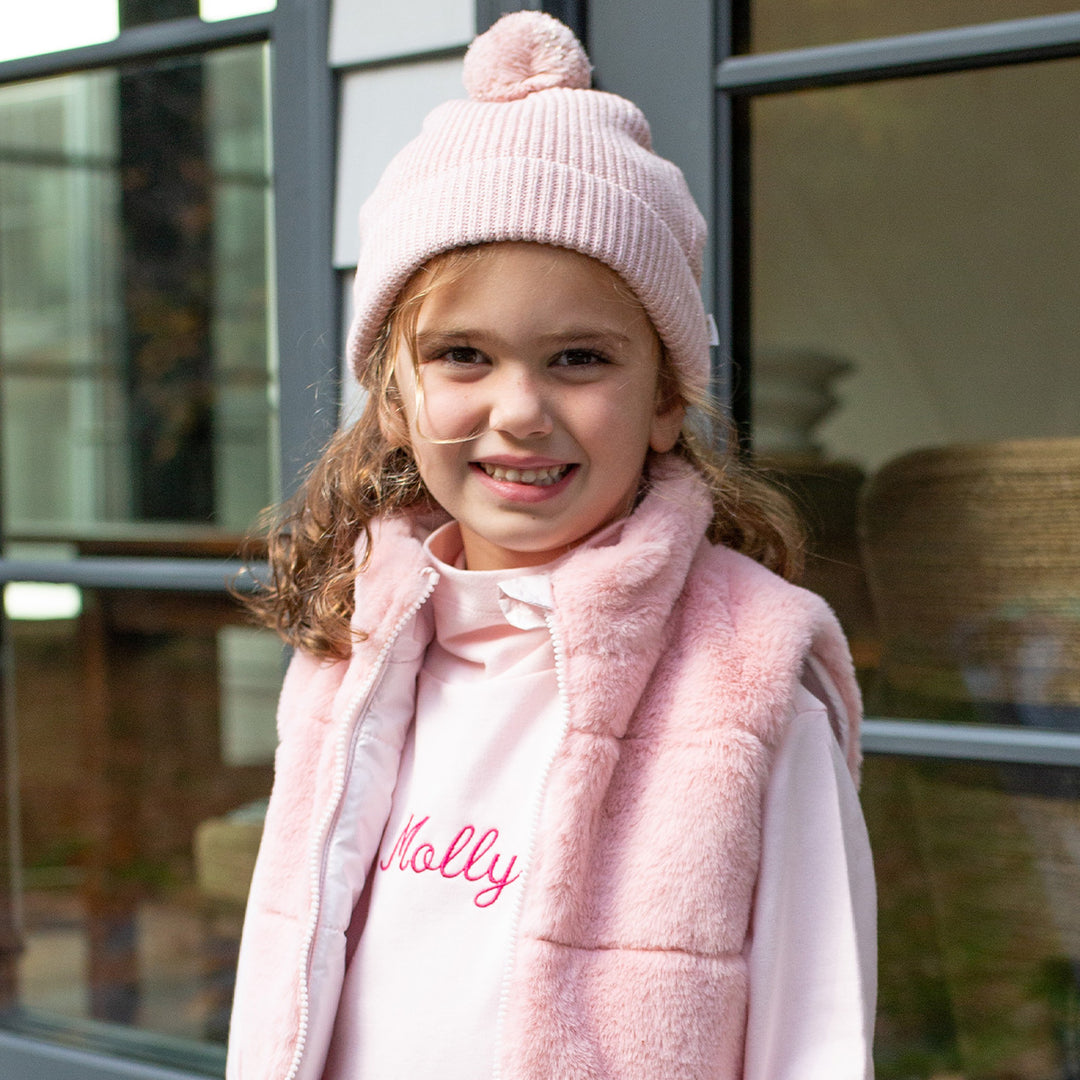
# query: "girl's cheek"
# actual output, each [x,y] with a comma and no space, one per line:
[448,413]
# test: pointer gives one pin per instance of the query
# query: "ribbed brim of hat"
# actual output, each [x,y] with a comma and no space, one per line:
[524,200]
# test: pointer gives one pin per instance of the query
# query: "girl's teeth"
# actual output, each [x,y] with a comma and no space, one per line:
[541,477]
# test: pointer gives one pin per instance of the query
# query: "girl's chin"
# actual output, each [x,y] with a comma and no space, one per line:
[511,548]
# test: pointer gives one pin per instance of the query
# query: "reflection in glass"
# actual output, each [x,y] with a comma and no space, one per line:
[135,357]
[145,739]
[136,410]
[978,870]
[215,10]
[913,254]
[778,24]
[52,25]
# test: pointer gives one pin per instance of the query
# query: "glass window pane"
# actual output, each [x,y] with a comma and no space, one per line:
[215,10]
[914,292]
[136,355]
[978,870]
[777,24]
[145,735]
[137,411]
[52,25]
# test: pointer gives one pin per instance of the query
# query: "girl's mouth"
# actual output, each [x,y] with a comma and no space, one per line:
[539,477]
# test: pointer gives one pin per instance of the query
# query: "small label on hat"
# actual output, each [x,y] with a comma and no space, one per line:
[714,333]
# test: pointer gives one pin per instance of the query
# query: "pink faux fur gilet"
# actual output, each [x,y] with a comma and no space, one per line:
[678,662]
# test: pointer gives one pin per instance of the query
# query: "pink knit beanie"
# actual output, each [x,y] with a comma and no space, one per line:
[536,155]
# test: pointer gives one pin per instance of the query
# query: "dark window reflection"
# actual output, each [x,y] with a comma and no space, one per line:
[145,741]
[978,871]
[137,403]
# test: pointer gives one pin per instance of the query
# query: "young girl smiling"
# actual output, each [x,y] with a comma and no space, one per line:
[559,387]
[565,786]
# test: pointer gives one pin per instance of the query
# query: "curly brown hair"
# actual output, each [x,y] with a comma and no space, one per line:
[367,470]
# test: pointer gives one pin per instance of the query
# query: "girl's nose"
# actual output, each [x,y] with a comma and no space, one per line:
[519,406]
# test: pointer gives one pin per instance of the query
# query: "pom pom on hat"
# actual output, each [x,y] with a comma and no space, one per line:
[523,52]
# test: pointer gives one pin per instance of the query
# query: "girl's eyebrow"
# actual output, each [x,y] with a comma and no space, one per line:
[452,333]
[584,335]
[587,335]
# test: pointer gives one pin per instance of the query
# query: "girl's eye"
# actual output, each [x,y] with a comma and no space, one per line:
[461,357]
[579,358]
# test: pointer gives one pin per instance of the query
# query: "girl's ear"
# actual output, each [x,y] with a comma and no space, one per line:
[666,424]
[670,412]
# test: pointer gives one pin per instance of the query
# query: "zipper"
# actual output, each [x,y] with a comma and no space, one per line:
[346,747]
[534,828]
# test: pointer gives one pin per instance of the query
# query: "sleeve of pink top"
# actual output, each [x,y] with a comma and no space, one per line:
[813,950]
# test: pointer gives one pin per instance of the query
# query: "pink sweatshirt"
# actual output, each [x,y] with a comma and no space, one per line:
[444,892]
[679,668]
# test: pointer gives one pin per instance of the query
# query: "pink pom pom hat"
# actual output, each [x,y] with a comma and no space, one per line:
[535,155]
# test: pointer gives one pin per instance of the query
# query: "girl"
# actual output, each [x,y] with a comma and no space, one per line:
[565,781]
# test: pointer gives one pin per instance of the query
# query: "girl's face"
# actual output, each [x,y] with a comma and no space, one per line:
[533,401]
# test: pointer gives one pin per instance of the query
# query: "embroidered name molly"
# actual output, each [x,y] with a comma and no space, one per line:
[466,856]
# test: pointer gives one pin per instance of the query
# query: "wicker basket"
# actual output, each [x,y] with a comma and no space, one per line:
[973,560]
